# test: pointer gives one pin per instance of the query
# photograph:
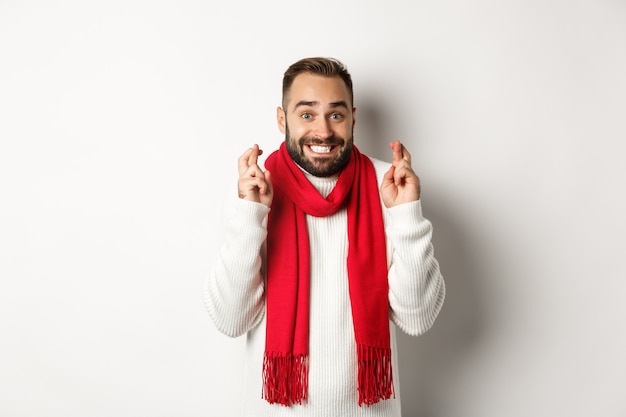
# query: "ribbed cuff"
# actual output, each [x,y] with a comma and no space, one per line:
[407,212]
[251,211]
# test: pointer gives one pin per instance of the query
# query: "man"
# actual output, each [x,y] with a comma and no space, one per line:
[327,252]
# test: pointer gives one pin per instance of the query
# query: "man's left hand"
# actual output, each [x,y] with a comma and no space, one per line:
[400,184]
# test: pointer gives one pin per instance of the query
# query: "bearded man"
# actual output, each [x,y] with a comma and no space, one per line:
[327,253]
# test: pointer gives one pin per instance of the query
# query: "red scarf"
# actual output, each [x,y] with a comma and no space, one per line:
[285,364]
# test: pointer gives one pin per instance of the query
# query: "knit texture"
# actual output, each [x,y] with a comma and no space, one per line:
[285,366]
[234,297]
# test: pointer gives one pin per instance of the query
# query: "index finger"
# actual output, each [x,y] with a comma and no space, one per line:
[398,151]
[249,158]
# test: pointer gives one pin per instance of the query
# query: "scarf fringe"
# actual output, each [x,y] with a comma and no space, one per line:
[375,376]
[285,378]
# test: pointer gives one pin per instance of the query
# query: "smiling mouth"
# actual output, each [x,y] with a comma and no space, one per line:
[321,148]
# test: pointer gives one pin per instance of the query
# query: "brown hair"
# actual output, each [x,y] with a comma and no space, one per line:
[327,67]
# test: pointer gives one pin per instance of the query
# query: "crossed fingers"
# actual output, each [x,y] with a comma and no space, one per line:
[253,182]
[401,161]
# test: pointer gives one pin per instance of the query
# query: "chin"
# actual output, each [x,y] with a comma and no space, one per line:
[319,166]
[324,167]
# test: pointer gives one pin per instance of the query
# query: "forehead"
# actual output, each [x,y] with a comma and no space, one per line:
[318,88]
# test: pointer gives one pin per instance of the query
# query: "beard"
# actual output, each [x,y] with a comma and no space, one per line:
[319,166]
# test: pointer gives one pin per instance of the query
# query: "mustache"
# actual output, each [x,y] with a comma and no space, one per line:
[331,141]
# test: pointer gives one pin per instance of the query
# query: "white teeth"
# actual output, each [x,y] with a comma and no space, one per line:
[320,149]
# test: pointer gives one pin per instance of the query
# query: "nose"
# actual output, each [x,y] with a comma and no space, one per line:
[322,129]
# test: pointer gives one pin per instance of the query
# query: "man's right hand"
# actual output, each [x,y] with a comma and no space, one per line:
[254,184]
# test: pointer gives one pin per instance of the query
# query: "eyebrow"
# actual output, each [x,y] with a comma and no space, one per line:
[335,104]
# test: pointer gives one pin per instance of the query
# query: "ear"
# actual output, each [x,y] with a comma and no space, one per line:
[353,117]
[280,119]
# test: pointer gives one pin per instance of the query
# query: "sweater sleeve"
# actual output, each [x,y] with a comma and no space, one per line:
[416,287]
[234,289]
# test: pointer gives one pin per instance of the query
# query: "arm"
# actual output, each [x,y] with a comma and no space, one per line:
[234,291]
[416,287]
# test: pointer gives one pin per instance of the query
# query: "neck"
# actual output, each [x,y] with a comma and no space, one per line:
[324,185]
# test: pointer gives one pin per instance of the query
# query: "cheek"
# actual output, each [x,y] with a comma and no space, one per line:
[296,129]
[346,131]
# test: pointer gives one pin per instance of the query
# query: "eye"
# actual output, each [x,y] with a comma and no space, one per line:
[336,116]
[306,116]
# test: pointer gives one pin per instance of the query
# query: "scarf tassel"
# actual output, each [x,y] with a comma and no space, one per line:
[285,379]
[375,377]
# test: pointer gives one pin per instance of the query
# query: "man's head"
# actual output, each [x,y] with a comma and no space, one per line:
[318,115]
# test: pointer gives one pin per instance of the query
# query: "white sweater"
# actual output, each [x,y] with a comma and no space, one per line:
[234,296]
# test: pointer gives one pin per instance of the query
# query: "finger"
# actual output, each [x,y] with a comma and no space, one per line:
[254,155]
[268,183]
[396,149]
[242,162]
[399,175]
[405,175]
[406,155]
[388,178]
[251,186]
[253,171]
[261,185]
[399,152]
[248,158]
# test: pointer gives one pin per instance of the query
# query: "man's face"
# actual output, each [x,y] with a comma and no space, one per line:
[318,122]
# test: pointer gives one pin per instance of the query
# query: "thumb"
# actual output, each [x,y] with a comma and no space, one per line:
[268,181]
[388,177]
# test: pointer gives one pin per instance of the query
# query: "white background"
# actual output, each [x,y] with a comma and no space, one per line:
[120,122]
